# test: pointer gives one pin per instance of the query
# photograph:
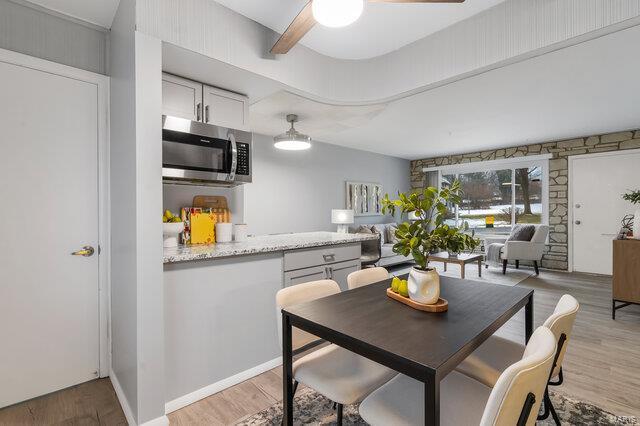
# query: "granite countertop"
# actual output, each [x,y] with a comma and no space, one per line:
[262,244]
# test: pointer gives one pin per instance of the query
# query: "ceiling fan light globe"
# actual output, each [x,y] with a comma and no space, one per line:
[292,145]
[336,13]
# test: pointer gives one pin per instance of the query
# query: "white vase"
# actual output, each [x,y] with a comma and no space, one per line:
[424,286]
[636,225]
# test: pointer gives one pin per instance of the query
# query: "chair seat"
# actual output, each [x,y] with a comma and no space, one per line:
[401,402]
[340,375]
[487,362]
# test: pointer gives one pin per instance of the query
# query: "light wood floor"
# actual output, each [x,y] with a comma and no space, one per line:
[90,403]
[602,366]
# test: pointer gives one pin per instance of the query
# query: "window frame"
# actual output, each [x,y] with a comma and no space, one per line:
[529,161]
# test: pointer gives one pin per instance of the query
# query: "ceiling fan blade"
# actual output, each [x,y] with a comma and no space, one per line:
[416,1]
[296,30]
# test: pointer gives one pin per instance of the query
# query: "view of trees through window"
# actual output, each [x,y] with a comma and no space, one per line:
[489,205]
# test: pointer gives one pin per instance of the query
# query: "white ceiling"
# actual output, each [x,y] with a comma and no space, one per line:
[590,88]
[382,28]
[98,12]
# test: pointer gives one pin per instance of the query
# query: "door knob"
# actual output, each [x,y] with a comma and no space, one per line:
[87,251]
[577,222]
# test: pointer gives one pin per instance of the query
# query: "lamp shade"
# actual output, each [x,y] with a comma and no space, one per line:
[341,217]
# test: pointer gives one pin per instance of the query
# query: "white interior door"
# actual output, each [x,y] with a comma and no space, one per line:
[49,317]
[598,183]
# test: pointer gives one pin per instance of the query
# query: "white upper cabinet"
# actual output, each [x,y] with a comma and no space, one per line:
[225,109]
[198,102]
[181,98]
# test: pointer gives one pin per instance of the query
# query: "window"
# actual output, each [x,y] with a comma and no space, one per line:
[498,194]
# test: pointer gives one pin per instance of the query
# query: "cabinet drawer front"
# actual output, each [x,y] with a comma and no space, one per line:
[305,275]
[299,259]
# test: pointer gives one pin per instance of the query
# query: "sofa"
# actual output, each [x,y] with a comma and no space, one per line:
[387,256]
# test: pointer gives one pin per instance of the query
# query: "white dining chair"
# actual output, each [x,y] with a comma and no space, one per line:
[340,375]
[488,361]
[366,276]
[514,400]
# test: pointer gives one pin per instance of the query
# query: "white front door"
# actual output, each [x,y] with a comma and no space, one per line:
[598,182]
[49,318]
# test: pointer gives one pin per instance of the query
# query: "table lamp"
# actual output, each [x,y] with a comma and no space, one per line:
[342,218]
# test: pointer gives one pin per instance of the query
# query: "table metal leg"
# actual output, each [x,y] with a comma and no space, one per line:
[528,322]
[287,371]
[479,268]
[432,402]
[462,270]
[445,266]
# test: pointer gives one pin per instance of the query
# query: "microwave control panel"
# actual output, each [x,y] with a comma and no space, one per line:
[243,159]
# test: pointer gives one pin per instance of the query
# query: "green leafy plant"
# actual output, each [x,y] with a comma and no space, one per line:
[633,196]
[454,240]
[428,232]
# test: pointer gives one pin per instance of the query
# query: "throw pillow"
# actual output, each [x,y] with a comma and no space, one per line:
[391,233]
[380,229]
[369,247]
[522,233]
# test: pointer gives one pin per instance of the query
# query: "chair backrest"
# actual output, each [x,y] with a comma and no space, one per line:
[366,276]
[301,293]
[527,376]
[561,322]
[540,235]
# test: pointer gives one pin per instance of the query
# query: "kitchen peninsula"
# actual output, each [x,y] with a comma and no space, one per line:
[221,322]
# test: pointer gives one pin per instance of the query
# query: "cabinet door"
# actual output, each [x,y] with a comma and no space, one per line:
[305,275]
[225,109]
[181,97]
[339,271]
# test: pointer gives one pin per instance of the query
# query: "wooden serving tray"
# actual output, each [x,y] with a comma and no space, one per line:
[440,306]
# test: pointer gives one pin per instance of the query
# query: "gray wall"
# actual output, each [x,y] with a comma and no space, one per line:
[32,31]
[124,292]
[137,300]
[294,191]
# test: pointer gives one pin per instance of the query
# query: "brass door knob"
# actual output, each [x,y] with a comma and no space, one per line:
[86,251]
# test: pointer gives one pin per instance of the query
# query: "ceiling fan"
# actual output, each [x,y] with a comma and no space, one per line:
[330,13]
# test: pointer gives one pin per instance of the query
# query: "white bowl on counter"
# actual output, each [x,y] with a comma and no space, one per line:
[170,232]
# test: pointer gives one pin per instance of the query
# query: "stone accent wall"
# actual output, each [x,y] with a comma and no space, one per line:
[556,253]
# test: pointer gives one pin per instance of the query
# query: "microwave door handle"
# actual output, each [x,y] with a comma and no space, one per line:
[234,157]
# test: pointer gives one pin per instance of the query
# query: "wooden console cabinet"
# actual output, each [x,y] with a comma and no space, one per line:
[626,274]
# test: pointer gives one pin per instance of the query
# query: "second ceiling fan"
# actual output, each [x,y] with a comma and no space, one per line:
[330,13]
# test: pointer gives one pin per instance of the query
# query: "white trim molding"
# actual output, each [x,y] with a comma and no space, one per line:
[219,386]
[489,164]
[104,226]
[124,403]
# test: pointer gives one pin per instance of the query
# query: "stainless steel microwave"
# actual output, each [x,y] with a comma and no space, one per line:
[195,153]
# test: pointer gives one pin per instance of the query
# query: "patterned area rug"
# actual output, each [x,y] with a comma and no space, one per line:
[313,408]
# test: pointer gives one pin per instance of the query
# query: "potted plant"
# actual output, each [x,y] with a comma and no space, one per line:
[634,197]
[425,234]
[453,240]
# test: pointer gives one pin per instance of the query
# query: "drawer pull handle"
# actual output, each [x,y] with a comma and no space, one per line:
[329,257]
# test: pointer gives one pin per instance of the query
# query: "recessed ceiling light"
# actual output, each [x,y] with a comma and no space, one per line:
[292,140]
[336,13]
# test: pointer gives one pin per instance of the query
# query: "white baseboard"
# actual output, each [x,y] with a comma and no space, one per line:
[223,384]
[128,414]
[160,421]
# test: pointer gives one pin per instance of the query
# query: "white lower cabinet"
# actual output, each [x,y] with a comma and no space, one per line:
[332,263]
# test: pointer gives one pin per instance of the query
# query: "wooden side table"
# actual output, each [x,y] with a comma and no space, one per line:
[462,259]
[626,274]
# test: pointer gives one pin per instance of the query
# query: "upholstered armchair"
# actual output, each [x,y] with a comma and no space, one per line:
[523,250]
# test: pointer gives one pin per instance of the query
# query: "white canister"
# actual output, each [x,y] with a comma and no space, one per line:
[636,225]
[224,231]
[240,231]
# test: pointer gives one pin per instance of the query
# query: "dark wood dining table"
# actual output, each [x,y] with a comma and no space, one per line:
[425,346]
